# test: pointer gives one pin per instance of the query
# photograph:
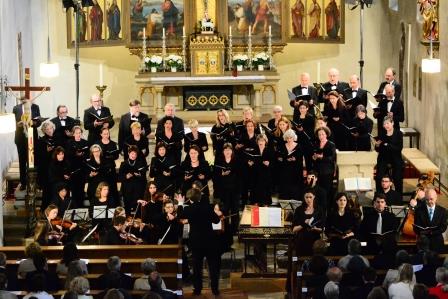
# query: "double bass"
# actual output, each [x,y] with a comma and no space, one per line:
[408,223]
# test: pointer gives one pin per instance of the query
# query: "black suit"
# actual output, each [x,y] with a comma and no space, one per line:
[340,87]
[438,220]
[396,86]
[89,120]
[375,243]
[21,140]
[203,242]
[397,109]
[312,91]
[359,99]
[59,132]
[124,129]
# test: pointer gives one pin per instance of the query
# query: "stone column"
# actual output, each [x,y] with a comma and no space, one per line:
[258,100]
[158,103]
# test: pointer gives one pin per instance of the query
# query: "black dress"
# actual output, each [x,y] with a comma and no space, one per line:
[110,150]
[175,230]
[363,128]
[305,238]
[389,152]
[152,215]
[164,183]
[77,153]
[338,128]
[248,147]
[142,145]
[291,172]
[194,172]
[132,188]
[261,189]
[325,168]
[104,221]
[338,225]
[56,172]
[105,173]
[221,135]
[201,142]
[45,146]
[173,145]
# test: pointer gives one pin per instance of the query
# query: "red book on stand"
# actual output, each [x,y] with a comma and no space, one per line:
[255,216]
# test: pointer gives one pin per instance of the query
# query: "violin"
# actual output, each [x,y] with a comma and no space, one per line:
[131,238]
[64,223]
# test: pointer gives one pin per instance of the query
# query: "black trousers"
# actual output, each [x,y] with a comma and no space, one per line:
[213,261]
[22,151]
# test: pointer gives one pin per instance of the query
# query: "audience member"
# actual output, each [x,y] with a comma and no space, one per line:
[441,289]
[331,290]
[155,282]
[37,288]
[27,264]
[142,283]
[113,282]
[51,279]
[420,291]
[114,294]
[3,287]
[377,293]
[354,249]
[69,254]
[401,257]
[114,265]
[369,278]
[403,287]
[75,269]
[81,287]
[10,274]
[427,275]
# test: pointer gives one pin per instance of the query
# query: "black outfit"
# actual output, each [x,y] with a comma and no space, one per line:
[105,173]
[307,124]
[175,230]
[340,87]
[227,187]
[393,198]
[152,214]
[203,243]
[338,128]
[438,221]
[43,152]
[321,197]
[125,283]
[63,205]
[291,172]
[56,172]
[261,183]
[356,97]
[364,128]
[305,238]
[194,172]
[325,168]
[113,237]
[337,226]
[299,91]
[221,135]
[201,142]
[110,150]
[389,152]
[90,115]
[142,144]
[381,111]
[248,147]
[363,291]
[396,86]
[164,183]
[124,129]
[132,188]
[20,138]
[377,243]
[178,126]
[62,125]
[77,153]
[173,145]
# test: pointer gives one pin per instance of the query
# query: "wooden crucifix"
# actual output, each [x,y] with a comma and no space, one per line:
[27,88]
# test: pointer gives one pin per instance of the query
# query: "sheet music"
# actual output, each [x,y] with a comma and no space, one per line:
[275,217]
[264,216]
[217,226]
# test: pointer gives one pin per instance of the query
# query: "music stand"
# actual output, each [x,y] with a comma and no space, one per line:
[102,212]
[398,211]
[77,214]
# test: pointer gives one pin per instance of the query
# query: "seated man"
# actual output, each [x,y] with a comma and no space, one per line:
[155,281]
[114,266]
[148,266]
[353,249]
[3,286]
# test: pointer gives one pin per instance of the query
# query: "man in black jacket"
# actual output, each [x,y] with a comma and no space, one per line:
[63,125]
[178,123]
[304,91]
[333,84]
[354,96]
[134,115]
[389,106]
[430,220]
[32,118]
[203,241]
[97,117]
[389,77]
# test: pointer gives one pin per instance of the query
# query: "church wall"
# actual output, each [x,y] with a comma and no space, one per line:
[428,113]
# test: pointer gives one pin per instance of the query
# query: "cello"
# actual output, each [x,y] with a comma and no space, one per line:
[408,224]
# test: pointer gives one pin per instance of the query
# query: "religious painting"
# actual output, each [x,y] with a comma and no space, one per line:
[315,21]
[429,12]
[155,19]
[204,10]
[98,25]
[257,18]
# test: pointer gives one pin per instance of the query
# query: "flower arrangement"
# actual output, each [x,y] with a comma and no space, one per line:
[174,61]
[153,61]
[260,59]
[240,59]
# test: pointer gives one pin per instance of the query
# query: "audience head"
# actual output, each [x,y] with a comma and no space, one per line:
[289,135]
[331,290]
[155,281]
[442,278]
[75,269]
[32,249]
[402,257]
[170,109]
[222,117]
[193,195]
[114,280]
[420,291]
[48,127]
[114,263]
[319,247]
[148,266]
[113,294]
[377,293]
[356,265]
[79,285]
[354,247]
[369,275]
[40,261]
[37,283]
[69,253]
[431,197]
[405,273]
[334,274]
[151,295]
[69,295]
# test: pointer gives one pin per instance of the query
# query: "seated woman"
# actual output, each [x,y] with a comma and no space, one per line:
[341,226]
[69,254]
[308,224]
[53,230]
[27,265]
[164,170]
[100,208]
[195,138]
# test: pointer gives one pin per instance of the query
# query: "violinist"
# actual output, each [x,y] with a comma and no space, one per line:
[137,139]
[195,169]
[389,146]
[115,234]
[164,169]
[41,233]
[152,211]
[59,170]
[98,170]
[379,227]
[77,153]
[222,131]
[222,229]
[132,175]
[170,227]
[195,138]
[56,227]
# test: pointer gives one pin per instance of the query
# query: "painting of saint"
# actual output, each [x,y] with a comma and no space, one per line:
[262,16]
[170,15]
[314,12]
[333,19]
[96,22]
[154,19]
[113,20]
[82,23]
[297,16]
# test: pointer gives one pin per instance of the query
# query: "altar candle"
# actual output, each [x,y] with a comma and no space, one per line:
[270,32]
[144,33]
[183,31]
[101,74]
[230,30]
[163,31]
[318,72]
[250,30]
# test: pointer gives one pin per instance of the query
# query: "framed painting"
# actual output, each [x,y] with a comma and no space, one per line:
[315,21]
[99,25]
[155,18]
[259,16]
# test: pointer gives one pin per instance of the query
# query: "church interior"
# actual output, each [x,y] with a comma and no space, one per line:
[194,79]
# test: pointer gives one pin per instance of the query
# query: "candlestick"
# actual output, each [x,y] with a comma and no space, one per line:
[270,32]
[183,31]
[230,54]
[249,49]
[271,57]
[144,33]
[230,30]
[163,49]
[101,74]
[163,32]
[250,30]
[101,89]
[184,51]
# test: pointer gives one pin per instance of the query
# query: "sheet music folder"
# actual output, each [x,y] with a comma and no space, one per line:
[76,214]
[102,212]
[357,184]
